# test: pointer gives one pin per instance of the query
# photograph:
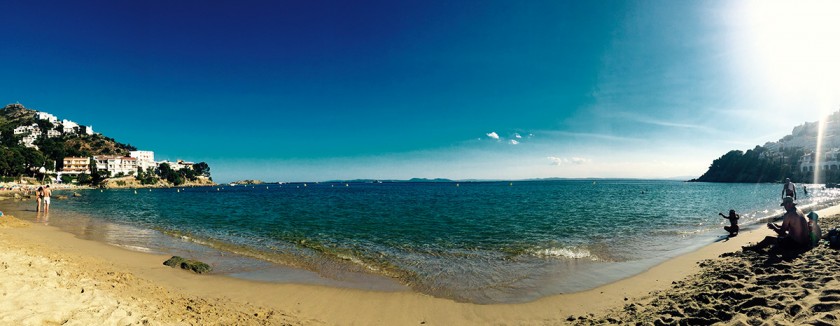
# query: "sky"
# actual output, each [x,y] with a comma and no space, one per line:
[326,90]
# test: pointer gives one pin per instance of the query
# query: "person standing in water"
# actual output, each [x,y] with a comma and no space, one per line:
[39,193]
[47,193]
[789,189]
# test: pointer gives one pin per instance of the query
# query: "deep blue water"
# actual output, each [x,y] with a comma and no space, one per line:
[470,241]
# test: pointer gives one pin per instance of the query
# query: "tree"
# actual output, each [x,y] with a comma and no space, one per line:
[202,169]
[33,159]
[84,179]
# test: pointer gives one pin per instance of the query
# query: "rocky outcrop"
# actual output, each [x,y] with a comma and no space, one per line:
[188,264]
[132,182]
[248,182]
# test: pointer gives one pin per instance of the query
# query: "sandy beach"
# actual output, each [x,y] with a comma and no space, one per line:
[51,277]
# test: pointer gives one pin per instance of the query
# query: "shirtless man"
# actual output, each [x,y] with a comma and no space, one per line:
[47,192]
[789,189]
[794,233]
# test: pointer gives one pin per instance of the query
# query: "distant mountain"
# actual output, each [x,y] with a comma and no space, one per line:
[391,180]
[782,159]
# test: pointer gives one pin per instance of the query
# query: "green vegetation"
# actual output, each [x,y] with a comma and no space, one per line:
[755,165]
[17,160]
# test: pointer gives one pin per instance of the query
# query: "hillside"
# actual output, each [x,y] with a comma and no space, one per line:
[52,149]
[35,143]
[775,161]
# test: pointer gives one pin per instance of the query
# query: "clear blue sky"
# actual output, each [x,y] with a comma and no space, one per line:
[320,90]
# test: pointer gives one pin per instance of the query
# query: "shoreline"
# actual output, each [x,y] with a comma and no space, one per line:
[305,304]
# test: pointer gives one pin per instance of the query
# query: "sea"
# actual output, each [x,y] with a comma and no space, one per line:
[479,242]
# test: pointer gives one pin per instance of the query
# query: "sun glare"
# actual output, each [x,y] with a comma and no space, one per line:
[794,46]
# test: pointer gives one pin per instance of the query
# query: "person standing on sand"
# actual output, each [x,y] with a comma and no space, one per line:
[39,193]
[789,189]
[794,233]
[47,192]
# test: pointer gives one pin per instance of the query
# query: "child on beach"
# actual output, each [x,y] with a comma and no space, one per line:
[814,224]
[733,222]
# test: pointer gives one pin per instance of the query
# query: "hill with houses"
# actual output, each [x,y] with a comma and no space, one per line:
[796,156]
[39,145]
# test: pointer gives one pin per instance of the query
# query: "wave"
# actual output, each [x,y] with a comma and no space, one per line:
[568,253]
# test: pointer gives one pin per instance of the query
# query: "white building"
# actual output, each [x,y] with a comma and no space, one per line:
[178,165]
[30,135]
[116,164]
[830,161]
[31,129]
[75,166]
[70,127]
[145,159]
[47,116]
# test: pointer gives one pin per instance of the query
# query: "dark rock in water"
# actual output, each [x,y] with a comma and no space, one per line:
[188,264]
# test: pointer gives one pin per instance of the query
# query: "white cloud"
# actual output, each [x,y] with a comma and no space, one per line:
[573,160]
[513,142]
[493,135]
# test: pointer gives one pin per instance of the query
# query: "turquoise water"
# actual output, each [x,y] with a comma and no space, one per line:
[479,242]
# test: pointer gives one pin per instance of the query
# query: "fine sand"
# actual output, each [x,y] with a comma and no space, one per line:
[51,277]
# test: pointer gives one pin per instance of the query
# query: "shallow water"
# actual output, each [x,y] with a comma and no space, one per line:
[480,242]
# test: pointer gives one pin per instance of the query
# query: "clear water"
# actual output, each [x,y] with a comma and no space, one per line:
[481,242]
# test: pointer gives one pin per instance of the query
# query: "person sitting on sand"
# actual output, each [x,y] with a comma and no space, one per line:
[733,222]
[816,232]
[794,233]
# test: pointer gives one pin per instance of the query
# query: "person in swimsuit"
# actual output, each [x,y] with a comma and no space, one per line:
[789,189]
[39,193]
[47,193]
[733,222]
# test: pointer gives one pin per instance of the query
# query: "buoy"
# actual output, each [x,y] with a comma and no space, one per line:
[510,184]
[177,190]
[217,189]
[346,184]
[135,192]
[457,184]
